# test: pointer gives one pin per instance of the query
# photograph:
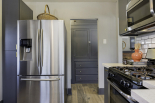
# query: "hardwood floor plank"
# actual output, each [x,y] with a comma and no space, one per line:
[85,93]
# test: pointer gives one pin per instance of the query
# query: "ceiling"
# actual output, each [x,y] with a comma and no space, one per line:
[67,0]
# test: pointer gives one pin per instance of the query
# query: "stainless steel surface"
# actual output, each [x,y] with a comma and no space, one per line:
[151,8]
[38,46]
[41,51]
[145,23]
[53,44]
[32,91]
[27,63]
[132,4]
[128,97]
[47,55]
[56,79]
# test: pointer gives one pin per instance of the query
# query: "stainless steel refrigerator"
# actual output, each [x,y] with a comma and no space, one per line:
[41,61]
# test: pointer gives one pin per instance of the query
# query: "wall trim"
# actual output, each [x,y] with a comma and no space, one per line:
[69,91]
[1,101]
[100,91]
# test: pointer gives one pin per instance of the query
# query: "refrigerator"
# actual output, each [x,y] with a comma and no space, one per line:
[41,61]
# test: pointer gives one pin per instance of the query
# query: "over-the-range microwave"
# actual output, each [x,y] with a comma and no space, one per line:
[141,16]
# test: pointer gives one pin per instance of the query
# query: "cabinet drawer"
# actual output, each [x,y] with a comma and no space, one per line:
[86,77]
[87,71]
[86,64]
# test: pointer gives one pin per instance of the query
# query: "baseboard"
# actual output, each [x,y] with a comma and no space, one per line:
[100,91]
[1,101]
[69,91]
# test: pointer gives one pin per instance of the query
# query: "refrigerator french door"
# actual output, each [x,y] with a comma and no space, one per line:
[41,61]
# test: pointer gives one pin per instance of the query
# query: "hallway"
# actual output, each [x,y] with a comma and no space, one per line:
[85,93]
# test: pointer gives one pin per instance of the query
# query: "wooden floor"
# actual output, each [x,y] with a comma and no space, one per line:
[85,93]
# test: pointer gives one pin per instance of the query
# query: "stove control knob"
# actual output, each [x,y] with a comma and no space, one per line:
[112,75]
[122,82]
[127,85]
[109,74]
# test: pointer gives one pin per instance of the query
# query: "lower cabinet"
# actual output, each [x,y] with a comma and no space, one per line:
[86,72]
[106,85]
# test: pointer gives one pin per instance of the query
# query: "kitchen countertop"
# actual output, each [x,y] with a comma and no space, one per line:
[108,65]
[144,95]
[149,84]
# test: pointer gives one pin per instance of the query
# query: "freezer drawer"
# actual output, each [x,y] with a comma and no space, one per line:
[40,89]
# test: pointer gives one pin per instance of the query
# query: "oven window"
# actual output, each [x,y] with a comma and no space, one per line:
[116,97]
[139,13]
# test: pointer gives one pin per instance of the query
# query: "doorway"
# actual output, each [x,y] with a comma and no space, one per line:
[84,48]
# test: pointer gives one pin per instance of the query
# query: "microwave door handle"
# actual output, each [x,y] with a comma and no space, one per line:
[56,79]
[151,8]
[121,92]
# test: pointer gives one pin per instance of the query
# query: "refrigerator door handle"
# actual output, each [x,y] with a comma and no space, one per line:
[56,79]
[38,48]
[41,48]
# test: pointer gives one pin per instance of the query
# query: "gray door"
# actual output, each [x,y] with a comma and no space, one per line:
[93,44]
[80,44]
[84,52]
[40,89]
[52,47]
[28,63]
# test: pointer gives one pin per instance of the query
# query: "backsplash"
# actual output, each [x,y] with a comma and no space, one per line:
[146,41]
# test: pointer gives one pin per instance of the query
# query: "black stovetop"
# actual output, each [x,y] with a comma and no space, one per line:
[135,75]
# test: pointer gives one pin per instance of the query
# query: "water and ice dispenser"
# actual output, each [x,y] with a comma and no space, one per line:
[26,49]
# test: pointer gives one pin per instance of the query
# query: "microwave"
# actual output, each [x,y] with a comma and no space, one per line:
[141,15]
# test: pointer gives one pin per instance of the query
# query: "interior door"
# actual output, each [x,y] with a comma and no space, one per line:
[52,47]
[80,44]
[93,44]
[40,89]
[28,63]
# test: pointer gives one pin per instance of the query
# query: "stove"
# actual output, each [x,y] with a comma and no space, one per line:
[134,73]
[123,79]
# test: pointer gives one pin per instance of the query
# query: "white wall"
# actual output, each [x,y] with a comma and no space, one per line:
[0,50]
[107,27]
[146,41]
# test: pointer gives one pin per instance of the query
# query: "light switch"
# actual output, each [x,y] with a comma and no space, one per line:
[104,41]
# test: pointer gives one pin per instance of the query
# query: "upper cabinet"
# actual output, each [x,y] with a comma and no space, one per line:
[122,15]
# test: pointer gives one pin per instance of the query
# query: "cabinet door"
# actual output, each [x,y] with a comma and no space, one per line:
[10,77]
[80,44]
[106,85]
[93,44]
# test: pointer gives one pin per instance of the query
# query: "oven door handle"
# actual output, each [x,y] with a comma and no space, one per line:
[151,8]
[128,97]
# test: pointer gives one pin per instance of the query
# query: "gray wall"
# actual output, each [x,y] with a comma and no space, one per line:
[107,27]
[0,50]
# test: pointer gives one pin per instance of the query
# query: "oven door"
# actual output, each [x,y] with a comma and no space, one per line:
[140,13]
[116,95]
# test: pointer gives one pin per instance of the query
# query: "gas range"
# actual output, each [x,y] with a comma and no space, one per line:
[134,73]
[123,79]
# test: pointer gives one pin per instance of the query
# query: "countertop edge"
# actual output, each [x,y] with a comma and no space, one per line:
[138,98]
